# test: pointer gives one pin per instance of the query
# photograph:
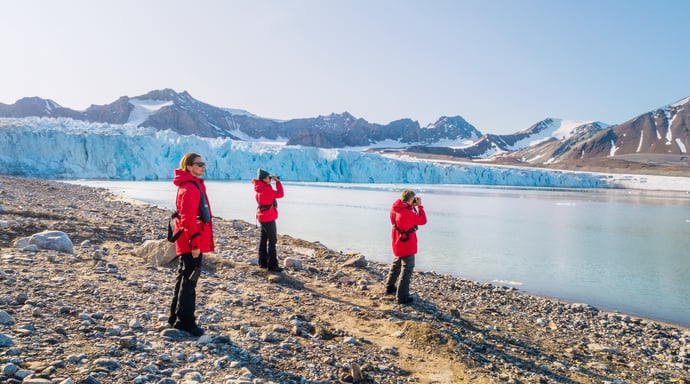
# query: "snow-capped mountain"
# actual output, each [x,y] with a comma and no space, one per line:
[35,106]
[655,136]
[665,130]
[660,136]
[344,130]
[489,146]
[546,142]
[181,113]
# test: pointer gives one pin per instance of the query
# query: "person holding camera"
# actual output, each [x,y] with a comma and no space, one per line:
[407,213]
[266,214]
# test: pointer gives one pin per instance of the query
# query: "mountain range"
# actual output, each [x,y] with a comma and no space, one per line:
[654,138]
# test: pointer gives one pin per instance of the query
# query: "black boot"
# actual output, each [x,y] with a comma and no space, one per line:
[194,329]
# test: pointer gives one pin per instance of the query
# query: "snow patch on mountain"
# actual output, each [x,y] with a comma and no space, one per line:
[456,143]
[144,108]
[613,150]
[50,105]
[681,102]
[242,112]
[639,145]
[681,146]
[552,128]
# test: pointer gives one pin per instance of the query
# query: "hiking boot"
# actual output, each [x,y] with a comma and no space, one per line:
[276,269]
[405,301]
[194,329]
[391,290]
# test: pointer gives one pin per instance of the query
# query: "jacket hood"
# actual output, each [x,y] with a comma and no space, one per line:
[399,205]
[182,176]
[260,185]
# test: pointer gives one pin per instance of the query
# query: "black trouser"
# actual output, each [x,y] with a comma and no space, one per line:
[184,297]
[407,265]
[267,245]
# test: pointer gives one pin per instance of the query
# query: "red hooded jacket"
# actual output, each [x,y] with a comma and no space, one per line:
[265,195]
[196,234]
[405,218]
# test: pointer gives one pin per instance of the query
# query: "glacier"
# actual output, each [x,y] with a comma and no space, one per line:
[62,148]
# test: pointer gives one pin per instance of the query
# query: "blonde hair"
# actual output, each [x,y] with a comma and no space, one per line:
[407,195]
[187,159]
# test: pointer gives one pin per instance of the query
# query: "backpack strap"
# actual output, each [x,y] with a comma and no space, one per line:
[264,208]
[205,215]
[405,235]
[203,209]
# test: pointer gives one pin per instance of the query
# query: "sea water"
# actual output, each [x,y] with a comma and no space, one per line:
[618,250]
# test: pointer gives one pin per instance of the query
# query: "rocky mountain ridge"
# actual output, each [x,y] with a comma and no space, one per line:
[182,113]
[663,133]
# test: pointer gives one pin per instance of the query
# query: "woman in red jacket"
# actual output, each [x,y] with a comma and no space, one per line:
[406,214]
[196,238]
[266,214]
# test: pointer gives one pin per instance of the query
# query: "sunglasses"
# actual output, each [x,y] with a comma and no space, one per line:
[200,164]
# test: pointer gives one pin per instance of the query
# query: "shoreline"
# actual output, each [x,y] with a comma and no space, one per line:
[666,315]
[260,327]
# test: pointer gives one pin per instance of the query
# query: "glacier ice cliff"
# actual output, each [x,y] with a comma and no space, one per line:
[63,148]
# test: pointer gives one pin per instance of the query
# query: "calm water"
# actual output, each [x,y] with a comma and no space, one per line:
[614,249]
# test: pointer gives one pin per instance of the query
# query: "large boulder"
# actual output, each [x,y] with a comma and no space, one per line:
[55,240]
[158,252]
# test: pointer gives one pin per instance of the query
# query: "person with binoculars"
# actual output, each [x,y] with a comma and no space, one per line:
[266,214]
[407,213]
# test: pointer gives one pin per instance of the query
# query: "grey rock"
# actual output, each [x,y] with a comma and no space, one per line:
[55,240]
[5,341]
[128,341]
[293,263]
[158,252]
[357,262]
[36,380]
[9,369]
[5,318]
[109,364]
[23,373]
[91,380]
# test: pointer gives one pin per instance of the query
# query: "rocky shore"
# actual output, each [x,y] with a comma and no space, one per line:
[96,313]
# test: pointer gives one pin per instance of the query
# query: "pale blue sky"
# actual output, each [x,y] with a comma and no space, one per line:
[503,65]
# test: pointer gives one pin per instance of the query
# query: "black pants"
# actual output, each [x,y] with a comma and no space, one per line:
[184,298]
[407,265]
[267,245]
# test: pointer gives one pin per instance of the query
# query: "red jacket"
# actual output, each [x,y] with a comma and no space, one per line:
[265,195]
[196,234]
[405,218]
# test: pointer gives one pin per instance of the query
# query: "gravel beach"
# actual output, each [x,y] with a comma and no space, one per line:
[87,302]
